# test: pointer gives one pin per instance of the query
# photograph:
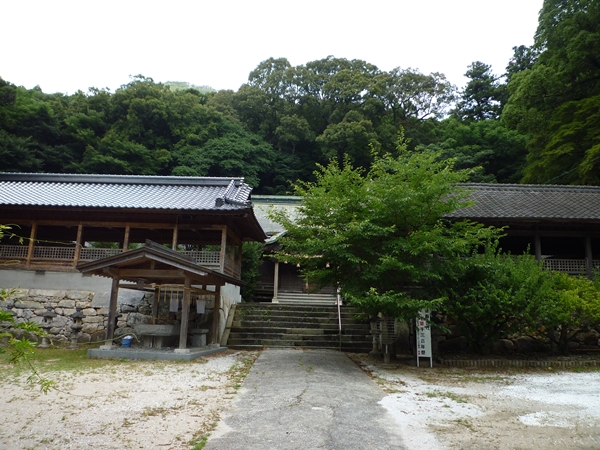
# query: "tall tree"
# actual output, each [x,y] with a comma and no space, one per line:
[484,96]
[555,102]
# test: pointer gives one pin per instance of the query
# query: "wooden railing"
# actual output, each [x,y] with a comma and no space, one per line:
[59,255]
[571,266]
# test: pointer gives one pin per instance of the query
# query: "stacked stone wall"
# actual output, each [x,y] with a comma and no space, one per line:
[29,305]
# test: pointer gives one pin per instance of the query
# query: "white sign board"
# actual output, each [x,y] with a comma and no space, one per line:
[424,337]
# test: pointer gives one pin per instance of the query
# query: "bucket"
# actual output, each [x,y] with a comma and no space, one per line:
[126,341]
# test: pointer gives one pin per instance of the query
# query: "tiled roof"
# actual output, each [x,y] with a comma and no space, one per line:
[525,201]
[124,191]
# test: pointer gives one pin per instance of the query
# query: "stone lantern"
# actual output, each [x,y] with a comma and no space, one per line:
[76,326]
[46,324]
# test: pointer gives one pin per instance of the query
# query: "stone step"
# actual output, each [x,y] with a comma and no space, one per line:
[278,325]
[321,328]
[356,346]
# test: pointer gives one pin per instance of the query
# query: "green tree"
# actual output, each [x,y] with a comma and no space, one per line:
[491,295]
[564,306]
[555,101]
[483,97]
[20,350]
[498,152]
[377,233]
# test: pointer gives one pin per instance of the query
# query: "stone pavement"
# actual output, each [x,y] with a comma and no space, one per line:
[306,399]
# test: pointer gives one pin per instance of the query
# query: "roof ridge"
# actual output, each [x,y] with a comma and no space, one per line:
[118,179]
[529,187]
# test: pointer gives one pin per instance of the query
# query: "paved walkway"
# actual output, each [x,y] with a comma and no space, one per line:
[306,399]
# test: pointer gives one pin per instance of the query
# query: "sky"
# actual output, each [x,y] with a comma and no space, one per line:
[70,45]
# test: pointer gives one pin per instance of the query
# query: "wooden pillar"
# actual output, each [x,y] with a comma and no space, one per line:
[155,305]
[589,261]
[175,236]
[216,316]
[32,236]
[276,283]
[239,260]
[126,238]
[185,313]
[223,248]
[537,244]
[78,244]
[112,311]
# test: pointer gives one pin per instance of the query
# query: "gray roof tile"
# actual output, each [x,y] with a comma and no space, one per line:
[525,201]
[124,191]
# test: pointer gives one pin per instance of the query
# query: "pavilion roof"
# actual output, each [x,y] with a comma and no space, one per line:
[155,264]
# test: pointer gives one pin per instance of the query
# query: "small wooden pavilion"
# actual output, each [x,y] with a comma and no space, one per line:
[151,267]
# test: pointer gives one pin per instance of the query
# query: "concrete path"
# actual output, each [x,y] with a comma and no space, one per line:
[306,399]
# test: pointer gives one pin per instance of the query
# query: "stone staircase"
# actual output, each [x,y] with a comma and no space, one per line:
[299,298]
[260,325]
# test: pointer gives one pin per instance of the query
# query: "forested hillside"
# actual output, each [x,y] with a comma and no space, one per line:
[538,121]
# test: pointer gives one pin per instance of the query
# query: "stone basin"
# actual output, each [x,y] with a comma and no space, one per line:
[149,329]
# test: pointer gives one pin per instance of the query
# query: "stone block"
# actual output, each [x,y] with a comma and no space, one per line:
[526,344]
[133,318]
[89,312]
[84,338]
[27,304]
[67,303]
[67,312]
[59,321]
[19,293]
[101,300]
[90,328]
[504,346]
[47,293]
[92,319]
[102,311]
[78,295]
[128,308]
[84,305]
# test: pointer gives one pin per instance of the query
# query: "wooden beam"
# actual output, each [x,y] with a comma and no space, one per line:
[185,314]
[110,271]
[112,311]
[150,273]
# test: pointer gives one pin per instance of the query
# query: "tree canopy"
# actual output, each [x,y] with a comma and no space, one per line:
[376,234]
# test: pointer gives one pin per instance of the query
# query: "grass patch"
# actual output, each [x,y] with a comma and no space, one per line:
[446,394]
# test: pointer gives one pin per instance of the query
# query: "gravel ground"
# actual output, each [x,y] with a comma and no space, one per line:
[446,408]
[164,405]
[136,405]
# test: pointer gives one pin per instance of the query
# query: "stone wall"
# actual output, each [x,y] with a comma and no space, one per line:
[29,305]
